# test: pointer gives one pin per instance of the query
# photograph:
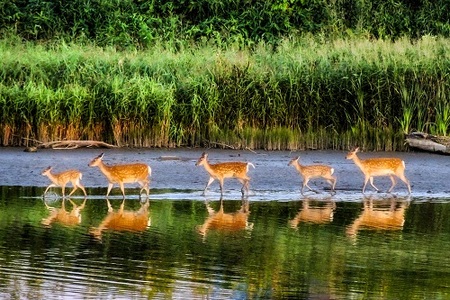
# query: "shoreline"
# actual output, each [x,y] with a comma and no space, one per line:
[174,170]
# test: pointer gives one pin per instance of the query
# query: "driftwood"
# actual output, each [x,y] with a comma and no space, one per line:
[70,144]
[428,142]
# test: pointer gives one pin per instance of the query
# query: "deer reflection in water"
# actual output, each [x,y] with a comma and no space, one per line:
[124,220]
[384,215]
[226,222]
[316,212]
[62,216]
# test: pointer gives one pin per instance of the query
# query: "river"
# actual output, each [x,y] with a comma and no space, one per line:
[179,244]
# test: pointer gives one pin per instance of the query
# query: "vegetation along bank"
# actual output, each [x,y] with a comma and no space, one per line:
[321,80]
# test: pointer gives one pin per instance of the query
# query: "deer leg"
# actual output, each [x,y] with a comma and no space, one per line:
[110,186]
[122,206]
[83,189]
[221,186]
[63,191]
[145,186]
[394,182]
[75,187]
[122,188]
[332,181]
[245,205]
[406,181]
[110,208]
[211,180]
[146,189]
[305,183]
[83,204]
[245,184]
[303,187]
[50,186]
[366,180]
[393,205]
[371,183]
[73,203]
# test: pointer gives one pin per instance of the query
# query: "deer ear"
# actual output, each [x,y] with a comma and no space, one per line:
[101,155]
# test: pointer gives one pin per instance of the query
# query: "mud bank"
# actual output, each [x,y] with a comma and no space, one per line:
[174,170]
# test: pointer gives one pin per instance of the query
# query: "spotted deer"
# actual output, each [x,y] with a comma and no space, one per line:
[62,179]
[373,167]
[313,172]
[124,173]
[223,170]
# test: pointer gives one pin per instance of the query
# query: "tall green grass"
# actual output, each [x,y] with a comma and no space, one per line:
[305,94]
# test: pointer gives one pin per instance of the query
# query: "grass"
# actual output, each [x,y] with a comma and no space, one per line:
[305,94]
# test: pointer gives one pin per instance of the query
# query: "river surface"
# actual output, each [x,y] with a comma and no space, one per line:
[179,244]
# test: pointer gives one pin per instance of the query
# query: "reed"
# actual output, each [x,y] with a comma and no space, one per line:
[305,94]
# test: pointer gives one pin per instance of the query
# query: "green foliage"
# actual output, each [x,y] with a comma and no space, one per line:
[306,94]
[144,24]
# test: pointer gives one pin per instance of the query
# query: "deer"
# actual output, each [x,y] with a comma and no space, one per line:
[223,170]
[124,173]
[62,216]
[62,179]
[384,166]
[226,222]
[313,172]
[124,220]
[383,216]
[314,214]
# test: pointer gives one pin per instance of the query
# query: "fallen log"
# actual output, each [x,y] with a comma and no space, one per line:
[73,144]
[428,142]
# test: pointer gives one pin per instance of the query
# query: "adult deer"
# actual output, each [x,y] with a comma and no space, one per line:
[62,216]
[62,179]
[373,167]
[124,173]
[312,172]
[220,171]
[124,220]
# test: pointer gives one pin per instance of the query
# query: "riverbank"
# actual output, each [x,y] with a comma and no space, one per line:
[174,174]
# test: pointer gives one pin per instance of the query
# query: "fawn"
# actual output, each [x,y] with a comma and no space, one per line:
[62,179]
[314,171]
[220,171]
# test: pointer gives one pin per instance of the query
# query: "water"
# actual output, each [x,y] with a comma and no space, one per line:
[315,248]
